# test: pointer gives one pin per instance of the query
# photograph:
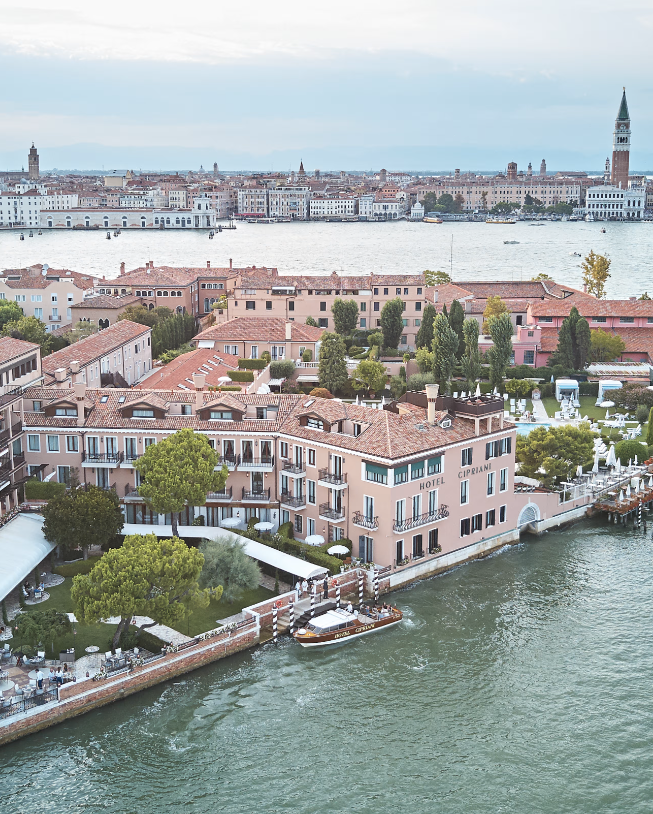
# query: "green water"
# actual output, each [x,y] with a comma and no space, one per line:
[521,683]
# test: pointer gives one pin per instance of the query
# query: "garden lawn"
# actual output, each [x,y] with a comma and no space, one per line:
[587,408]
[203,619]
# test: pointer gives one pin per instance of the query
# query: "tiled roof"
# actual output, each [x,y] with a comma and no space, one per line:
[94,346]
[108,301]
[592,307]
[637,340]
[178,374]
[172,275]
[264,278]
[32,277]
[261,329]
[10,348]
[518,289]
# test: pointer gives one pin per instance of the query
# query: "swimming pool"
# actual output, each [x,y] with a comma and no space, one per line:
[524,429]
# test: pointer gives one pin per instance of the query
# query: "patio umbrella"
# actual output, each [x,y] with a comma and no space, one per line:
[635,460]
[611,460]
[595,468]
[478,390]
[650,481]
[338,549]
[618,466]
[579,470]
[357,401]
[628,492]
[621,495]
[630,462]
[607,415]
[495,392]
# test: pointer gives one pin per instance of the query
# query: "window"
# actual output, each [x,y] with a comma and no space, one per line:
[434,465]
[311,457]
[38,313]
[323,322]
[36,406]
[291,305]
[310,485]
[376,306]
[221,415]
[529,357]
[417,546]
[546,319]
[419,290]
[464,492]
[186,409]
[491,450]
[65,411]
[261,413]
[310,526]
[598,319]
[418,306]
[505,446]
[323,306]
[404,340]
[362,306]
[299,523]
[417,470]
[626,320]
[466,457]
[491,480]
[400,511]
[376,474]
[37,298]
[401,474]
[268,305]
[490,518]
[503,480]
[477,522]
[53,443]
[363,322]
[33,443]
[502,514]
[283,449]
[232,349]
[376,291]
[465,527]
[250,305]
[314,423]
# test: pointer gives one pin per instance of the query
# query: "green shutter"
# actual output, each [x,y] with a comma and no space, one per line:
[435,465]
[377,470]
[416,468]
[401,474]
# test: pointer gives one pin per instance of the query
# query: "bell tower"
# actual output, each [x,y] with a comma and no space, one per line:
[621,146]
[33,164]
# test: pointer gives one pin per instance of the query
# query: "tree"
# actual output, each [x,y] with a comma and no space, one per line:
[649,430]
[345,316]
[425,359]
[596,271]
[493,307]
[30,329]
[560,208]
[83,518]
[370,376]
[145,316]
[320,393]
[542,276]
[392,322]
[503,208]
[445,345]
[574,342]
[10,311]
[144,577]
[627,450]
[424,337]
[499,355]
[557,450]
[41,626]
[310,321]
[446,202]
[456,320]
[429,202]
[458,203]
[82,329]
[432,278]
[397,386]
[645,296]
[605,347]
[179,471]
[227,566]
[332,366]
[471,360]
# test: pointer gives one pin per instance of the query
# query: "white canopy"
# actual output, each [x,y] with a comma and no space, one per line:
[22,548]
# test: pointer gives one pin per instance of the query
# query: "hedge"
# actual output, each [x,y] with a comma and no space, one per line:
[282,370]
[241,375]
[252,364]
[43,490]
[588,388]
[225,388]
[627,450]
[71,569]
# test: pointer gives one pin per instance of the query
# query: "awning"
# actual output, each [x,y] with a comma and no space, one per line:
[22,548]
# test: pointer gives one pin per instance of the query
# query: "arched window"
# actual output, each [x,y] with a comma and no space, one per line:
[167,221]
[179,293]
[123,290]
[103,323]
[143,223]
[151,306]
[106,223]
[177,221]
[156,221]
[68,223]
[180,309]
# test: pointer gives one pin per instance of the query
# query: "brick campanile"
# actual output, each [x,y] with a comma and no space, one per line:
[621,145]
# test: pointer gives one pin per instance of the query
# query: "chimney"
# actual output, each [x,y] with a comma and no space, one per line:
[60,374]
[122,268]
[208,264]
[288,331]
[231,263]
[199,381]
[435,296]
[80,393]
[431,395]
[74,367]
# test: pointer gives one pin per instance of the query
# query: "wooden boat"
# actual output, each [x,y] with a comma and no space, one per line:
[432,220]
[339,625]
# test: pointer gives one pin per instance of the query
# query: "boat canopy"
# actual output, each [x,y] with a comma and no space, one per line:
[331,620]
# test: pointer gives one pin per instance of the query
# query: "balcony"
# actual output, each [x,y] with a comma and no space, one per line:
[293,468]
[225,496]
[292,501]
[331,480]
[421,520]
[263,495]
[231,461]
[330,513]
[129,458]
[54,318]
[10,432]
[19,460]
[111,459]
[365,522]
[131,493]
[263,464]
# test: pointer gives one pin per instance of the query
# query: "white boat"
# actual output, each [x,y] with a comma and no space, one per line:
[589,217]
[338,625]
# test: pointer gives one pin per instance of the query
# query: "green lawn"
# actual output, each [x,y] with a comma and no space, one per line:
[206,618]
[587,408]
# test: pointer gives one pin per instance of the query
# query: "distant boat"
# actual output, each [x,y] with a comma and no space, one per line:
[22,236]
[603,230]
[432,220]
[589,217]
[108,235]
[500,220]
[511,242]
[575,254]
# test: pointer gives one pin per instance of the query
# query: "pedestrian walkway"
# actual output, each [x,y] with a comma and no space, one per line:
[539,411]
[163,632]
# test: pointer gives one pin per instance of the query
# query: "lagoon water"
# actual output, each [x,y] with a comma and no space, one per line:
[519,683]
[470,251]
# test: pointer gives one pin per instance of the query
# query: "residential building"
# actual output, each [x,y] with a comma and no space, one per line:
[253,202]
[119,355]
[102,309]
[324,207]
[248,337]
[289,202]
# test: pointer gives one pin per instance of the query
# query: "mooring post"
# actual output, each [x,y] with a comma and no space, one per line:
[275,611]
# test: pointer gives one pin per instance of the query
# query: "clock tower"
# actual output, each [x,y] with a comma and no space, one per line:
[621,146]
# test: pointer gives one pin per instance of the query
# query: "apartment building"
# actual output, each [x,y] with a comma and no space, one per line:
[121,355]
[253,202]
[24,208]
[324,207]
[425,477]
[250,337]
[289,202]
[102,309]
[46,293]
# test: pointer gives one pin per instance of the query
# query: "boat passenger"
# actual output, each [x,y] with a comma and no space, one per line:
[350,608]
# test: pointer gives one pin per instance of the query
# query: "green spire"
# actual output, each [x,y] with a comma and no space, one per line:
[623,115]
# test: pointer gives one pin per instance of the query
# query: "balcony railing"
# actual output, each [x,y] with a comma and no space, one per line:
[264,494]
[332,478]
[366,522]
[226,494]
[55,318]
[252,463]
[293,467]
[293,501]
[420,520]
[332,513]
[19,459]
[130,457]
[10,432]
[110,458]
[231,461]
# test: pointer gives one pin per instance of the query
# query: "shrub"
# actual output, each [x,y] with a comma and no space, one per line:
[287,530]
[282,370]
[43,490]
[626,450]
[641,413]
[320,393]
[71,569]
[307,356]
[313,554]
[631,395]
[225,388]
[265,356]
[241,375]
[169,355]
[519,387]
[419,380]
[252,364]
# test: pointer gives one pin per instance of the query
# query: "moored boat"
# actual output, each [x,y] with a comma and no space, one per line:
[432,220]
[500,220]
[339,625]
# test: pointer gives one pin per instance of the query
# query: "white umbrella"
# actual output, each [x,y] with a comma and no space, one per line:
[579,470]
[338,549]
[478,390]
[618,466]
[611,460]
[630,462]
[607,414]
[635,460]
[356,402]
[230,522]
[628,492]
[621,495]
[595,468]
[495,392]
[650,481]
[264,525]
[315,539]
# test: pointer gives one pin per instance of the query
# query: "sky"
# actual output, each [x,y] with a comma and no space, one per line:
[420,85]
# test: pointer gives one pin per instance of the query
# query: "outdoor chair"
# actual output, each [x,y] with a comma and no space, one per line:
[118,651]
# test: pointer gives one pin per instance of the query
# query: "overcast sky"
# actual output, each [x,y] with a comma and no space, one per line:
[415,84]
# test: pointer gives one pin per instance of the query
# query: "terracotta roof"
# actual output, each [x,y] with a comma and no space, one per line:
[261,329]
[11,348]
[178,374]
[172,275]
[260,278]
[591,307]
[637,340]
[93,347]
[32,277]
[108,301]
[519,289]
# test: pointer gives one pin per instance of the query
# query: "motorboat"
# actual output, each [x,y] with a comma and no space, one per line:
[575,254]
[501,220]
[603,230]
[511,242]
[589,217]
[432,220]
[339,625]
[108,235]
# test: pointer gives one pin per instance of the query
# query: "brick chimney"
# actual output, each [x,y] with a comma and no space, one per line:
[288,331]
[199,380]
[208,264]
[231,263]
[122,268]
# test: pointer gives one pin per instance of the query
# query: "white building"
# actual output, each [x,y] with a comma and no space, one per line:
[365,207]
[253,202]
[417,211]
[289,202]
[24,208]
[608,202]
[388,209]
[323,207]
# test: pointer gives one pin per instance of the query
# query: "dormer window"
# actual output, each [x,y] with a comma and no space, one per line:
[357,430]
[143,413]
[315,423]
[221,415]
[36,406]
[65,411]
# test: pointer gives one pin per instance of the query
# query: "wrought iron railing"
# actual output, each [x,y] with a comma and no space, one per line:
[420,520]
[292,500]
[102,457]
[248,462]
[37,699]
[366,522]
[226,494]
[264,494]
[332,477]
[293,467]
[332,513]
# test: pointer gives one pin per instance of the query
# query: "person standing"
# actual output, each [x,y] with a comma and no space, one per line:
[325,588]
[304,586]
[39,679]
[298,588]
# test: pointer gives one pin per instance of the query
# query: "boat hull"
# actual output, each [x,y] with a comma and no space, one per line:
[346,635]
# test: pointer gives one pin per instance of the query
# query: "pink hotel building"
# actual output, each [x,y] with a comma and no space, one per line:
[427,482]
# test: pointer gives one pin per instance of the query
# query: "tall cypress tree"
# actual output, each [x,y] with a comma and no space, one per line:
[425,334]
[574,342]
[456,319]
